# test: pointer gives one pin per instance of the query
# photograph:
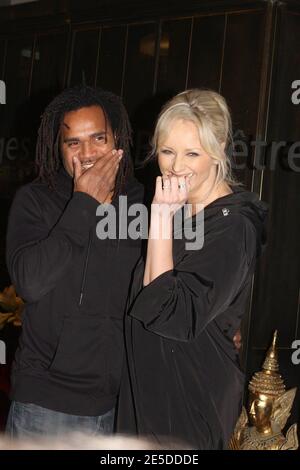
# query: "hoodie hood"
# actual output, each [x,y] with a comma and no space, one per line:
[246,203]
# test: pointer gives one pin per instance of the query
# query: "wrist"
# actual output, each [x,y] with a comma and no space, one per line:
[161,229]
[162,211]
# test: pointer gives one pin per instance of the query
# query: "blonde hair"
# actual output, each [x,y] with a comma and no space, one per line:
[209,112]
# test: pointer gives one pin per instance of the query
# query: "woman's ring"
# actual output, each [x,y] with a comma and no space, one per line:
[181,185]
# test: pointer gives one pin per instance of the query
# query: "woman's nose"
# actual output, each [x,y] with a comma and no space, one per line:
[178,165]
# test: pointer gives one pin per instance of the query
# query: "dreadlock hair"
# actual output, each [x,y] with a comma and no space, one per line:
[48,159]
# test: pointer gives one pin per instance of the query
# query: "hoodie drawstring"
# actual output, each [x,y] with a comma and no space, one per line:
[85,268]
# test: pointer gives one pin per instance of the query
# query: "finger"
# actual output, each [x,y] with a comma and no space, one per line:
[77,169]
[166,184]
[103,169]
[120,154]
[105,163]
[114,152]
[187,187]
[106,159]
[107,182]
[188,182]
[182,185]
[159,189]
[109,177]
[110,170]
[174,187]
[237,338]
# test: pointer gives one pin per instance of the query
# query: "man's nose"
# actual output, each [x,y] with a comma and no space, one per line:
[87,150]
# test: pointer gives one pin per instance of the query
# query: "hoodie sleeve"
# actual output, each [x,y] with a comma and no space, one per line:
[36,257]
[180,303]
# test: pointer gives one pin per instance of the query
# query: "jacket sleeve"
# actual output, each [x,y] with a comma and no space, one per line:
[36,256]
[180,303]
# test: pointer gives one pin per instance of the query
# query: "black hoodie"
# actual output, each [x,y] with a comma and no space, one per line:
[182,379]
[75,287]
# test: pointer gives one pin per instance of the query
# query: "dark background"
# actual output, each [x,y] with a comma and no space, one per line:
[147,51]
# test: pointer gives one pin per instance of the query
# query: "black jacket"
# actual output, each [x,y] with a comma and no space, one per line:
[182,379]
[75,287]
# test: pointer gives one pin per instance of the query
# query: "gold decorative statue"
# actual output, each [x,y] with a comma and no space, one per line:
[269,408]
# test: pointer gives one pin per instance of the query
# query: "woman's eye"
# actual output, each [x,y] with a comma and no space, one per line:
[193,154]
[166,152]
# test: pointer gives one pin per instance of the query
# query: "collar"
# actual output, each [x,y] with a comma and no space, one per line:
[63,182]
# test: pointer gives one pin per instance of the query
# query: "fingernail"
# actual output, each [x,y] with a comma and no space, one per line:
[74,159]
[114,152]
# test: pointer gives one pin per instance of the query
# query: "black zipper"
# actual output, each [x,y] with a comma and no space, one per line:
[86,262]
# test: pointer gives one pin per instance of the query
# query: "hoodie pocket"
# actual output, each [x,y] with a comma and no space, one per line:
[80,359]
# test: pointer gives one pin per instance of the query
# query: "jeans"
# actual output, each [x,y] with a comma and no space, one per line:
[27,420]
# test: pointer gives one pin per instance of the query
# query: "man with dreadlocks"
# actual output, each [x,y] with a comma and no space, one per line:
[67,368]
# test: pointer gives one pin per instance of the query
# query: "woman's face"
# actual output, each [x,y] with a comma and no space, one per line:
[180,154]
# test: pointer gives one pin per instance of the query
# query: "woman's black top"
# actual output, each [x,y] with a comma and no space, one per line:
[182,379]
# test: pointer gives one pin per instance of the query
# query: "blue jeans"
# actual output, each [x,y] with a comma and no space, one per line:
[27,420]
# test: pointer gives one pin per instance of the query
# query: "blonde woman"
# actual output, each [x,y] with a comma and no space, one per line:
[182,379]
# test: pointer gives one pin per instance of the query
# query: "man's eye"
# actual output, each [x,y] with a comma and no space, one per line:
[72,144]
[99,138]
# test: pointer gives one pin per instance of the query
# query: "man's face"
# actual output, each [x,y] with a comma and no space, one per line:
[87,135]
